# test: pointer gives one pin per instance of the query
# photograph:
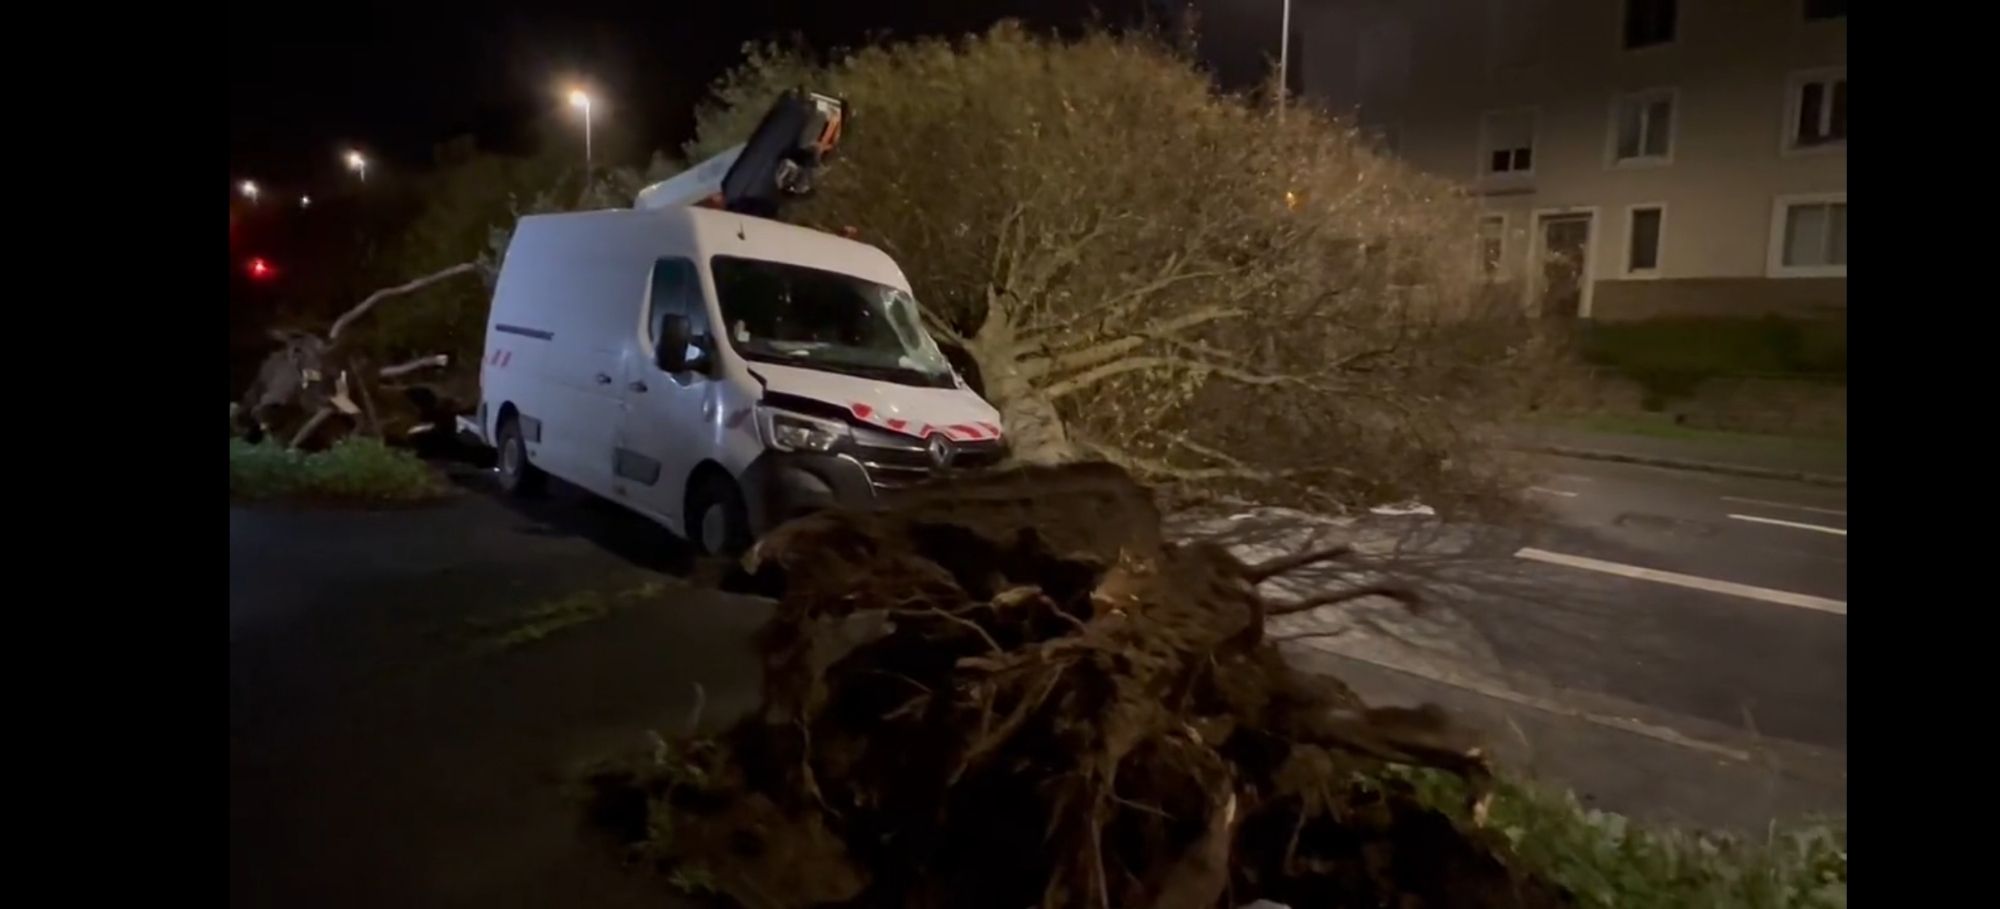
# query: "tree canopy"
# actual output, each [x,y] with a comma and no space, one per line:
[1204,289]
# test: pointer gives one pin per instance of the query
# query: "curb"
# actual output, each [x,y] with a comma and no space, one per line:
[1741,470]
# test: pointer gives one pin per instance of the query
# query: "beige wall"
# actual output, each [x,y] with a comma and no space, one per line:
[1729,66]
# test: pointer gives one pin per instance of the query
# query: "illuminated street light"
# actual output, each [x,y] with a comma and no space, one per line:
[305,201]
[358,164]
[249,189]
[577,98]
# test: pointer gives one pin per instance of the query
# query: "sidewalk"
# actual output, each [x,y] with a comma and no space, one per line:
[1780,457]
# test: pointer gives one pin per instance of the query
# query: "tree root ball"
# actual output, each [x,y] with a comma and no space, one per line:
[1009,690]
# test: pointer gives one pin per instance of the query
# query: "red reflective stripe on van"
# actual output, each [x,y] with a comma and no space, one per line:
[896,425]
[992,429]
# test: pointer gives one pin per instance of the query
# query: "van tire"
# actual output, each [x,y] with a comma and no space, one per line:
[518,477]
[718,523]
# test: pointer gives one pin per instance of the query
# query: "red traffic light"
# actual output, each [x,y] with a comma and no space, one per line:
[260,269]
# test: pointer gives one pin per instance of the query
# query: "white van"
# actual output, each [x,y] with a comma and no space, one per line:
[715,371]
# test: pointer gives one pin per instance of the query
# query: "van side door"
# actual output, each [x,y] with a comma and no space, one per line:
[667,427]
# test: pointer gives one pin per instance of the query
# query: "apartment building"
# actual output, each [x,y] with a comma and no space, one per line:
[1633,158]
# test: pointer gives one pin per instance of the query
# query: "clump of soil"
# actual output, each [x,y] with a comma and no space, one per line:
[1010,691]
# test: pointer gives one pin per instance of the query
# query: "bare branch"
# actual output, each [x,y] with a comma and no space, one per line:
[1401,593]
[1156,468]
[937,324]
[1091,377]
[431,362]
[1271,568]
[306,431]
[361,309]
[1113,349]
[1108,308]
[1007,223]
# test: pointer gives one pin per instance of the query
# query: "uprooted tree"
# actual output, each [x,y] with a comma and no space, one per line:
[425,329]
[1199,288]
[1010,691]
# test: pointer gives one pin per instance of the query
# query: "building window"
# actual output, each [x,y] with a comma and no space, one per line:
[1809,236]
[1642,246]
[1492,244]
[1508,143]
[1649,22]
[1825,9]
[1643,127]
[1817,114]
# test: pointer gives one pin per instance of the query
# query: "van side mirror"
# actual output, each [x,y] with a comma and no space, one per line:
[670,352]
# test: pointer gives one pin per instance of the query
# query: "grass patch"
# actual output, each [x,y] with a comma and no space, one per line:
[544,619]
[1608,860]
[358,470]
[1662,426]
[1669,358]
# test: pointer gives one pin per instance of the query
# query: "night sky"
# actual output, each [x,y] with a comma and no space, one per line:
[396,78]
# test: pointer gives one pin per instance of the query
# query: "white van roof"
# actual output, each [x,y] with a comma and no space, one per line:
[689,230]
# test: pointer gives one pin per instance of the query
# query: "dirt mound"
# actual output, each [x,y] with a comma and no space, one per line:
[1010,691]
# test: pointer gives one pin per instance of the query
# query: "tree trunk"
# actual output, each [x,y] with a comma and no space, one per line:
[1034,428]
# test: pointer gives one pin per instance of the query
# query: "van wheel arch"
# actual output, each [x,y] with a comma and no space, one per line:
[711,485]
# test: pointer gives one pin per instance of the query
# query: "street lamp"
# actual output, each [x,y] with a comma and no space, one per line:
[358,164]
[577,98]
[249,190]
[305,201]
[1284,56]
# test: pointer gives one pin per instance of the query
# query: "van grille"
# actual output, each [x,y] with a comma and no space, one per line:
[898,462]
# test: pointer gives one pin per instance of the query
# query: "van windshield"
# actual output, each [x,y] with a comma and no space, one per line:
[783,313]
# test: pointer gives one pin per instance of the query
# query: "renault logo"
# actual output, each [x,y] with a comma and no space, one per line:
[941,451]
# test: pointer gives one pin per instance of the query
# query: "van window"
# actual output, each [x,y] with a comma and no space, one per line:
[676,289]
[817,319]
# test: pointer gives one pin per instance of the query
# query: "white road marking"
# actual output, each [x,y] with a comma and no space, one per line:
[1783,597]
[1819,527]
[1814,509]
[1552,492]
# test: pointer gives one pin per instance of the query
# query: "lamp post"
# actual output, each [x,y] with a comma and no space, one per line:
[357,163]
[578,98]
[1284,56]
[249,190]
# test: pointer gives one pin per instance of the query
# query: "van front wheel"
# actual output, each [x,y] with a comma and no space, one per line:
[717,520]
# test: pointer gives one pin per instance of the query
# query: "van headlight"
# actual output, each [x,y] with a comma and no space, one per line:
[787,431]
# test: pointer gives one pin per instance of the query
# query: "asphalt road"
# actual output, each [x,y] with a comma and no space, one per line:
[383,753]
[1690,624]
[1765,649]
[384,750]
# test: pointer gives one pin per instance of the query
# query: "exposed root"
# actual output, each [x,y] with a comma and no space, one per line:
[1114,731]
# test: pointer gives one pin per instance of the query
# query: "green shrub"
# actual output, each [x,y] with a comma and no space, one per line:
[1607,860]
[1670,357]
[353,470]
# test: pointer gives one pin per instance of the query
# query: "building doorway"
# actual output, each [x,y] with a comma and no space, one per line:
[1562,270]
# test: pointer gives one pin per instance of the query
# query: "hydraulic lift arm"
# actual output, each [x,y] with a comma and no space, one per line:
[779,160]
